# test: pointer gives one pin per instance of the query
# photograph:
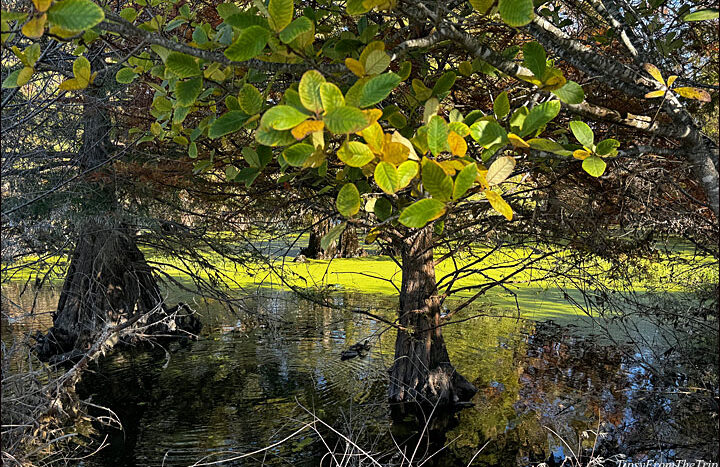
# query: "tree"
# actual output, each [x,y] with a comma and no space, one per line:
[410,154]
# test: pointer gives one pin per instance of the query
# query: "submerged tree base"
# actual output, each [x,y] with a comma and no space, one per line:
[109,284]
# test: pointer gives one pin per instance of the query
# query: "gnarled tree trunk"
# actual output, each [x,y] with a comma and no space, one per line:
[422,371]
[108,280]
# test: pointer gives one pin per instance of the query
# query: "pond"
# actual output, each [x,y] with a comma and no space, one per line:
[546,385]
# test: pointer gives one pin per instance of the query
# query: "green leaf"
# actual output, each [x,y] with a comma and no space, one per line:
[345,119]
[406,172]
[594,166]
[250,99]
[488,133]
[418,214]
[542,144]
[181,65]
[583,133]
[444,84]
[332,236]
[702,15]
[539,116]
[501,106]
[378,88]
[355,154]
[482,6]
[570,93]
[296,28]
[186,92]
[245,20]
[464,180]
[281,13]
[348,200]
[249,44]
[436,181]
[376,62]
[607,147]
[382,209]
[11,80]
[331,97]
[269,137]
[75,15]
[283,117]
[422,92]
[297,154]
[437,135]
[387,178]
[516,12]
[230,122]
[535,59]
[125,75]
[309,90]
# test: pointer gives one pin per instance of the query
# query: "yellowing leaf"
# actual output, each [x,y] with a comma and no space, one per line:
[370,48]
[517,141]
[397,137]
[42,5]
[35,27]
[448,167]
[373,115]
[654,72]
[457,144]
[72,84]
[395,153]
[81,70]
[653,94]
[374,137]
[499,204]
[556,80]
[581,154]
[693,93]
[24,75]
[355,66]
[307,127]
[671,80]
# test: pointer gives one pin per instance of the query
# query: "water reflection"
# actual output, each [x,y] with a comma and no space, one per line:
[545,388]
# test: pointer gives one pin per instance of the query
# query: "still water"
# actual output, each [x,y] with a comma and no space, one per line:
[546,386]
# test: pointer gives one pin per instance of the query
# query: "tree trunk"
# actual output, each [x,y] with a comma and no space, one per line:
[349,246]
[422,371]
[314,250]
[108,279]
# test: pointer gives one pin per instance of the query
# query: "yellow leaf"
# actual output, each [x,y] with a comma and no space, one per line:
[693,93]
[72,84]
[42,5]
[457,144]
[671,80]
[35,27]
[374,137]
[373,235]
[531,79]
[356,67]
[556,81]
[395,153]
[499,204]
[398,138]
[482,178]
[81,70]
[448,167]
[318,139]
[517,141]
[373,115]
[25,75]
[61,32]
[653,94]
[581,154]
[307,127]
[654,72]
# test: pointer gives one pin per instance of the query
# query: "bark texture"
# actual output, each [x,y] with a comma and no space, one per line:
[422,371]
